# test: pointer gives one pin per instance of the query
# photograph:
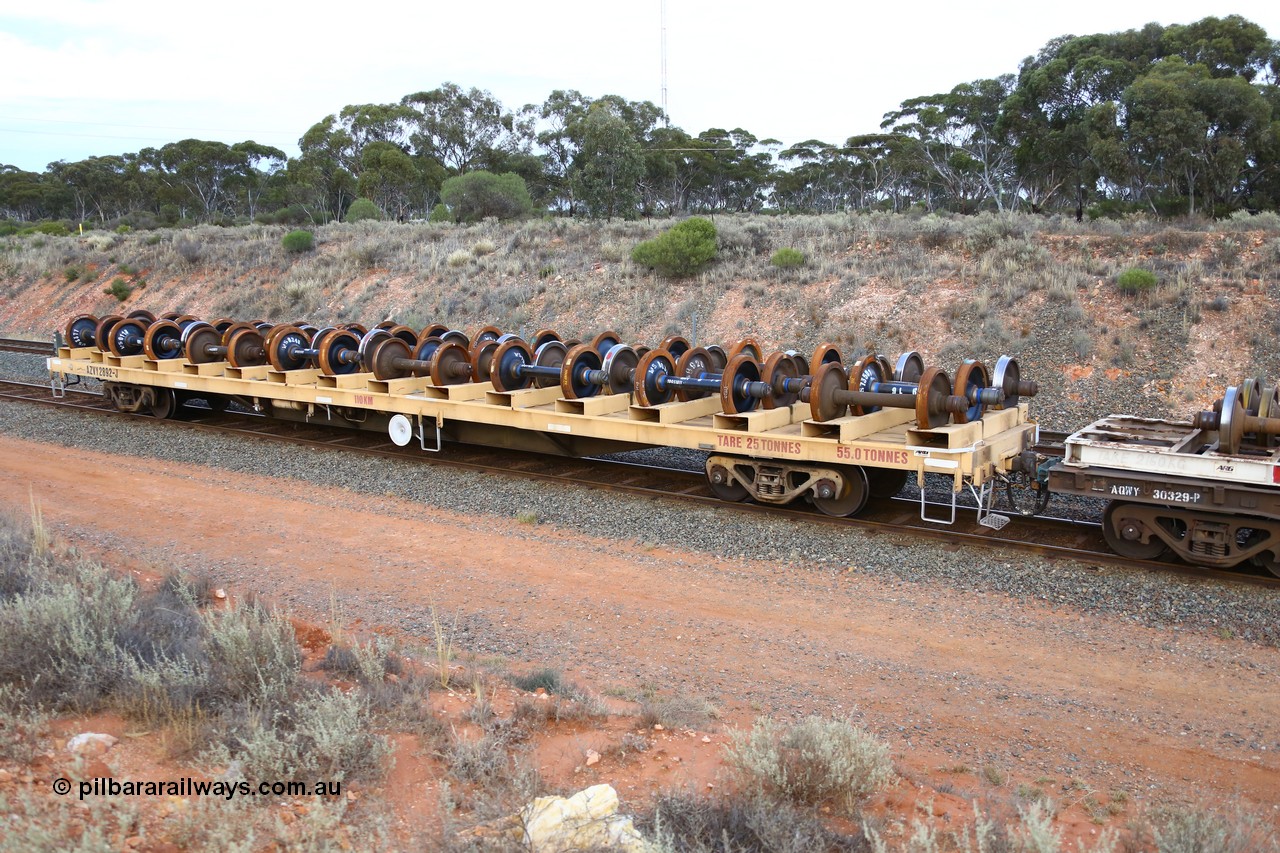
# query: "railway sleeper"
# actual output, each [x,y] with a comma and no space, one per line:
[1145,531]
[837,490]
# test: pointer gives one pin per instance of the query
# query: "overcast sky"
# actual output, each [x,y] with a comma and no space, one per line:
[84,78]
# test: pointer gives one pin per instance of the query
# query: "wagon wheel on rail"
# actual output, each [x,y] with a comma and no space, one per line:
[724,486]
[1124,534]
[1269,561]
[847,497]
[141,314]
[164,403]
[885,482]
[605,341]
[486,333]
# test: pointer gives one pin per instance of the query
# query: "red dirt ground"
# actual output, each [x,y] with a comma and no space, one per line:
[980,697]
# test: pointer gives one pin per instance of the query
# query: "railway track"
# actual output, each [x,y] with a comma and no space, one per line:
[26,346]
[1047,537]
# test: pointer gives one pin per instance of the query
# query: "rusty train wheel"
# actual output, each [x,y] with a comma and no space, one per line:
[695,362]
[80,331]
[508,359]
[825,353]
[381,359]
[577,361]
[777,367]
[605,341]
[933,382]
[541,336]
[452,364]
[196,339]
[747,345]
[102,332]
[970,379]
[647,382]
[829,379]
[245,349]
[741,370]
[677,346]
[163,340]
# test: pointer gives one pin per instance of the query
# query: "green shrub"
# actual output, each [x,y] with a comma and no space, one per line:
[477,195]
[1136,280]
[72,273]
[440,213]
[119,288]
[786,258]
[298,241]
[362,209]
[815,761]
[681,251]
[53,229]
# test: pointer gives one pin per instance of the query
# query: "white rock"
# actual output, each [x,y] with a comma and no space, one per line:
[593,757]
[90,744]
[588,820]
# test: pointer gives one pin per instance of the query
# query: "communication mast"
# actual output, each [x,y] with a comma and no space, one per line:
[666,120]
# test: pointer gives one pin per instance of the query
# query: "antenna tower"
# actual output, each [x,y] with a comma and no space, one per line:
[666,120]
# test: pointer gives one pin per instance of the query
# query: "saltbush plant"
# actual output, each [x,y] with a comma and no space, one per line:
[119,288]
[1136,280]
[787,258]
[362,209]
[681,251]
[298,241]
[817,760]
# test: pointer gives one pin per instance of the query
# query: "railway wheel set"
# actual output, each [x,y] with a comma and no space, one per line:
[776,427]
[742,377]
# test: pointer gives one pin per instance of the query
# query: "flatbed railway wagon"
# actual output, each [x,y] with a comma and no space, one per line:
[774,455]
[1207,489]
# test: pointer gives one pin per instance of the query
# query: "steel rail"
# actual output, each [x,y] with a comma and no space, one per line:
[27,346]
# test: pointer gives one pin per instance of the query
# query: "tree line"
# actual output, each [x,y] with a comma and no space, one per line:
[1176,120]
